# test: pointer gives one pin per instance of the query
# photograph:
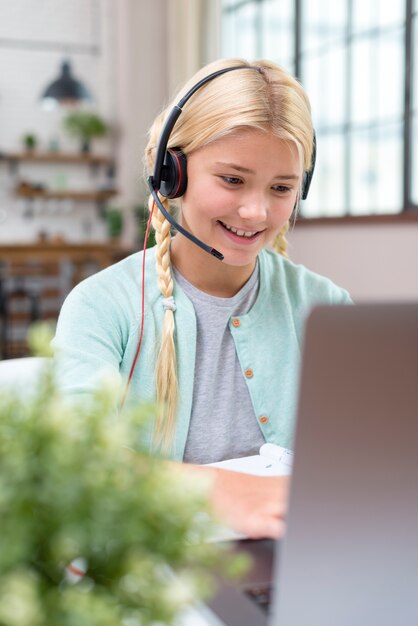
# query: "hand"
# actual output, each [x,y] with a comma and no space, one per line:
[253,505]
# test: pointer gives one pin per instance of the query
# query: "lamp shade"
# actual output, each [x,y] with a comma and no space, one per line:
[66,89]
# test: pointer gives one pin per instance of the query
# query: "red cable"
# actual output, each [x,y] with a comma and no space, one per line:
[75,570]
[141,332]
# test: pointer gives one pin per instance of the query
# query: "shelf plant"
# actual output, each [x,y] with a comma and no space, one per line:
[30,142]
[94,531]
[114,221]
[85,126]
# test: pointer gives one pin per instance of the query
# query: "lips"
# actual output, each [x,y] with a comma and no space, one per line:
[240,233]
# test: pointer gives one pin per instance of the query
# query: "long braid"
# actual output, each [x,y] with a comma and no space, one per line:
[280,243]
[166,366]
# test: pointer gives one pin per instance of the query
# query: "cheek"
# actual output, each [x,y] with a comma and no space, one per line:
[205,200]
[282,212]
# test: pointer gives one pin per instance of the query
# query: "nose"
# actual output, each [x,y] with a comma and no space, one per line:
[253,208]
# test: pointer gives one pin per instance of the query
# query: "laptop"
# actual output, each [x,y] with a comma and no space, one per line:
[350,554]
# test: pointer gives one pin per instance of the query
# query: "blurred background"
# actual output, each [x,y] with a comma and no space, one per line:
[82,80]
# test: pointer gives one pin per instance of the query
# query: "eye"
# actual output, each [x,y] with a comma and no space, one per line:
[231,180]
[282,188]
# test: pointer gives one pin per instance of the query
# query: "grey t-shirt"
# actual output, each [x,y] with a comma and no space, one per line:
[223,423]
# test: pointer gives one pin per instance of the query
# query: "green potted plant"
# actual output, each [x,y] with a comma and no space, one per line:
[94,531]
[30,141]
[85,125]
[114,221]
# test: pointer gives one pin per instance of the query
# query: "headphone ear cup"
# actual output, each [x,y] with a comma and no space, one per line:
[306,183]
[174,174]
[307,176]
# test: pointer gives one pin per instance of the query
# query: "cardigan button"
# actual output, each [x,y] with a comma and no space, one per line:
[263,419]
[236,322]
[248,373]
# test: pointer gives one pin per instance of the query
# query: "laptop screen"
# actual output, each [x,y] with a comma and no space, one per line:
[350,555]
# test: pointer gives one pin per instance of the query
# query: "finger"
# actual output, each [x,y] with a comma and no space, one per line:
[266,528]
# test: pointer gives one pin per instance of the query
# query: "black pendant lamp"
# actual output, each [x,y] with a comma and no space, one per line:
[66,90]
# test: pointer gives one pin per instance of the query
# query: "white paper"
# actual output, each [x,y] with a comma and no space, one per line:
[273,460]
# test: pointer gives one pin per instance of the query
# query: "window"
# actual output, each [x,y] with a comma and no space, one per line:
[359,64]
[414,115]
[259,28]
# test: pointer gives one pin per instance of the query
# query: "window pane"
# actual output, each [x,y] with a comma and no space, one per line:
[228,34]
[239,34]
[376,171]
[377,78]
[389,169]
[414,142]
[415,63]
[323,22]
[363,81]
[229,3]
[324,78]
[365,14]
[372,14]
[414,165]
[390,76]
[391,13]
[326,194]
[363,177]
[277,19]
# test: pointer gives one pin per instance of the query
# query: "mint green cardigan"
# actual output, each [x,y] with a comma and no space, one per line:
[98,331]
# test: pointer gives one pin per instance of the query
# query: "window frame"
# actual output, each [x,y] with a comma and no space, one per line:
[408,209]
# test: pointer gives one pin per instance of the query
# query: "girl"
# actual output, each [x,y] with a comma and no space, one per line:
[219,339]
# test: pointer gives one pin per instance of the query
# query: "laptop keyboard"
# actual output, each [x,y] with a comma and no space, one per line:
[261,595]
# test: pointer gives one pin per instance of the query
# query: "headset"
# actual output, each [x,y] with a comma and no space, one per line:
[170,168]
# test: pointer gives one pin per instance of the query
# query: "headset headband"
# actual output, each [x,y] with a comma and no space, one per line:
[175,113]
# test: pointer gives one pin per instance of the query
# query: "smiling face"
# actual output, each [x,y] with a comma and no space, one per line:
[241,191]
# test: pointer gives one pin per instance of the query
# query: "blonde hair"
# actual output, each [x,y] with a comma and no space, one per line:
[270,100]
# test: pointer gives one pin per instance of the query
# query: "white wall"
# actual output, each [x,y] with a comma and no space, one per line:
[29,60]
[142,88]
[128,79]
[374,262]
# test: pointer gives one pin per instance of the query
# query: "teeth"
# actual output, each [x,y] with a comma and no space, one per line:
[240,233]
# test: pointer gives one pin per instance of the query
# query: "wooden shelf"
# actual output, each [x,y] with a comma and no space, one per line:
[57,157]
[105,252]
[76,196]
[35,278]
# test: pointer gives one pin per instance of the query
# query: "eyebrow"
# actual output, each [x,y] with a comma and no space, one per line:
[246,170]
